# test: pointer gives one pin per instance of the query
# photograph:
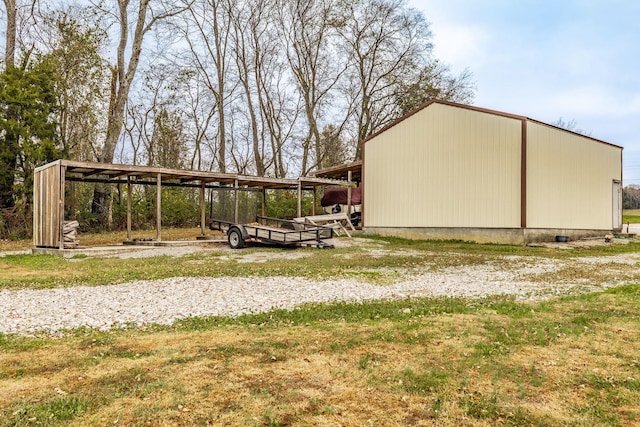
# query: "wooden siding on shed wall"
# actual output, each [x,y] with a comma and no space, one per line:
[46,206]
[569,179]
[445,167]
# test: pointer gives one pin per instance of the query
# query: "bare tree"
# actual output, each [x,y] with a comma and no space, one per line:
[308,29]
[240,151]
[261,63]
[277,105]
[571,125]
[246,24]
[386,43]
[169,142]
[124,71]
[81,81]
[199,111]
[122,75]
[206,30]
[334,148]
[435,81]
[135,127]
[279,115]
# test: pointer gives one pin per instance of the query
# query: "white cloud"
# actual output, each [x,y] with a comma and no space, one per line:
[457,45]
[597,101]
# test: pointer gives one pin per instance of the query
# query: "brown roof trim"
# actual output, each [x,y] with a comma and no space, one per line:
[575,133]
[451,104]
[480,110]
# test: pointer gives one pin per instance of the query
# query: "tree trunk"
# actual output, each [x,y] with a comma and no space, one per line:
[10,44]
[242,60]
[122,76]
[220,61]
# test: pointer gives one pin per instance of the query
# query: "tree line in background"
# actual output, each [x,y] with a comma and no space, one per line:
[264,87]
[631,197]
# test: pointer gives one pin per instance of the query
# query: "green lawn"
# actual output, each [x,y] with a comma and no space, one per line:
[631,216]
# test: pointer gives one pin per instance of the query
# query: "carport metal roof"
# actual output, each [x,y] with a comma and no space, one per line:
[147,175]
[342,172]
[49,190]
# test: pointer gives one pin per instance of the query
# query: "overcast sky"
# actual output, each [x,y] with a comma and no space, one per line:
[547,59]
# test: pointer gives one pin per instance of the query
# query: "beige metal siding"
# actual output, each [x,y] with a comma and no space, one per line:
[46,206]
[444,166]
[569,179]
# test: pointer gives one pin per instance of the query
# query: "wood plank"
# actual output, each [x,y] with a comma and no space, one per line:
[202,209]
[331,220]
[61,191]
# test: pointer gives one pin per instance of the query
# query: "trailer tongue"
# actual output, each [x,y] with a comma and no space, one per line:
[274,231]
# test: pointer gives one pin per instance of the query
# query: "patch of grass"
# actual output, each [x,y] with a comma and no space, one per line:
[129,382]
[599,412]
[489,408]
[631,216]
[318,406]
[10,342]
[53,412]
[632,384]
[271,420]
[425,382]
[45,271]
[15,245]
[630,219]
[481,407]
[340,311]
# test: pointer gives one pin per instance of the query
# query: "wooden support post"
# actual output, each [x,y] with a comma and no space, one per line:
[263,212]
[63,174]
[202,209]
[299,199]
[349,194]
[210,202]
[128,208]
[159,208]
[315,194]
[235,210]
[37,202]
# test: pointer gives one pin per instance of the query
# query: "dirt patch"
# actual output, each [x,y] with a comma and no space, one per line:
[270,256]
[584,243]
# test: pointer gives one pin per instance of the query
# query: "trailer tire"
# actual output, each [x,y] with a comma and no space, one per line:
[234,236]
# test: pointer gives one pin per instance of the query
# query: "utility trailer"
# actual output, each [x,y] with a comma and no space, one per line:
[274,231]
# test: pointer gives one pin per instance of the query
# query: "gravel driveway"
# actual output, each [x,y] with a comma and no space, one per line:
[165,301]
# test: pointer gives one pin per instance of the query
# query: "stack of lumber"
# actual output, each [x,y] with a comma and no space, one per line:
[70,231]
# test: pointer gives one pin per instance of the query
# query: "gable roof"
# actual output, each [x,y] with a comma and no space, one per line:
[480,110]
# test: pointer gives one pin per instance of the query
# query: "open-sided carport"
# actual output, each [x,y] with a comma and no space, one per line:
[50,189]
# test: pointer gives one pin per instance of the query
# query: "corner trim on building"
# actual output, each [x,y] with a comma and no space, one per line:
[523,175]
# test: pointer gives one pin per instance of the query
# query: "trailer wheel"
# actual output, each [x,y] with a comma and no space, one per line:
[235,239]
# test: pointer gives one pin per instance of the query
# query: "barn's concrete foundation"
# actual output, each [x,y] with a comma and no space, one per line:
[510,236]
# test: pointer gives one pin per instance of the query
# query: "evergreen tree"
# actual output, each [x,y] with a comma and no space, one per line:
[27,128]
